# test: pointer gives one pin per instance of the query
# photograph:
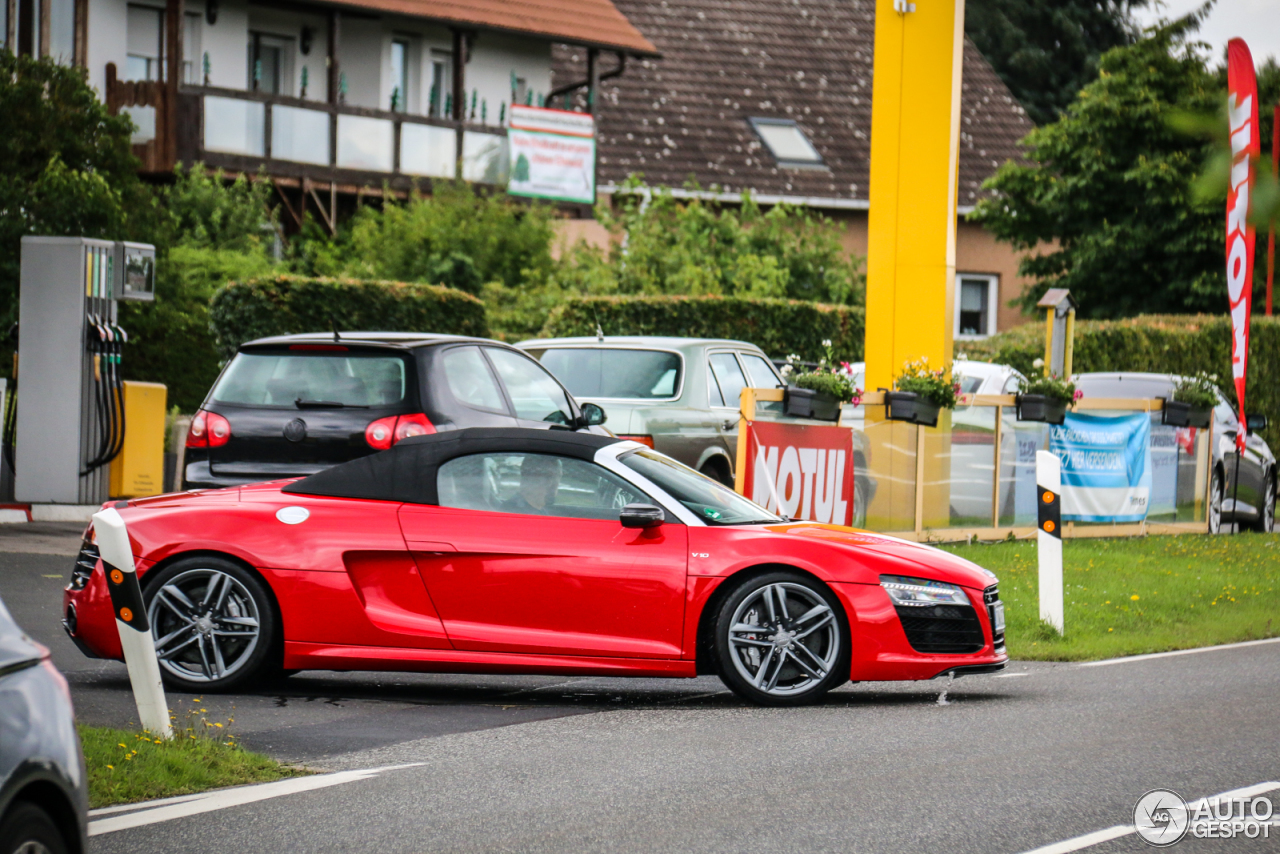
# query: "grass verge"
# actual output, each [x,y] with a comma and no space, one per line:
[129,766]
[1139,595]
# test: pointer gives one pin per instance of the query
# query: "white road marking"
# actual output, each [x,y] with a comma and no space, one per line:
[142,805]
[1152,655]
[168,809]
[1099,836]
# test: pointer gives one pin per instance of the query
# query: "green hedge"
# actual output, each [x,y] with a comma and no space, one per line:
[1168,344]
[777,326]
[280,305]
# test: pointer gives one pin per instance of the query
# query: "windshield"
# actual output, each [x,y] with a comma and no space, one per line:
[710,501]
[610,373]
[338,378]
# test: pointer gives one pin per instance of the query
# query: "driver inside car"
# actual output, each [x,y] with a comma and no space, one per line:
[539,483]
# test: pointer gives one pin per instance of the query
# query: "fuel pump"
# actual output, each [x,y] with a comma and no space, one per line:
[70,421]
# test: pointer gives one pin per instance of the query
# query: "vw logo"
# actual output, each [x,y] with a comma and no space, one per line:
[295,430]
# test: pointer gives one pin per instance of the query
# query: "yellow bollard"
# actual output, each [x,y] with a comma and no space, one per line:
[139,470]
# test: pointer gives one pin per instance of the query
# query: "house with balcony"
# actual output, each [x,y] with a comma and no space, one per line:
[333,100]
[775,99]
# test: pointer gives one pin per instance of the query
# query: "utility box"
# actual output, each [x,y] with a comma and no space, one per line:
[139,469]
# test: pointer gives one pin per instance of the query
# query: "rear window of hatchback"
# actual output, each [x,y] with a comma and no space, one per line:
[292,378]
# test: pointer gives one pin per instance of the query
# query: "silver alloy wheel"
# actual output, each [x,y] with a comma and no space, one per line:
[32,847]
[784,639]
[1215,504]
[205,623]
[1269,507]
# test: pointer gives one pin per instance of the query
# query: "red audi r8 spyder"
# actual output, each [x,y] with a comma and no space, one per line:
[505,550]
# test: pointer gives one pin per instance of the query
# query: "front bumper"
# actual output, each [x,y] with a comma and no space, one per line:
[883,652]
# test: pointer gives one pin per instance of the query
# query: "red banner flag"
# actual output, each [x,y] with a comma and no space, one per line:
[1242,114]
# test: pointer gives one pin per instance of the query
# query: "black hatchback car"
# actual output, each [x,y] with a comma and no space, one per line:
[295,404]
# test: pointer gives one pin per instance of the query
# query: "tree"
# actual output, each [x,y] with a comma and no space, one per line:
[67,166]
[1047,50]
[1107,202]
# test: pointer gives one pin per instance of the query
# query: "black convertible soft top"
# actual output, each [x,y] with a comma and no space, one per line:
[407,471]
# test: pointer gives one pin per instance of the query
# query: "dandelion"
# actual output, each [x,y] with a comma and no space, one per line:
[219,726]
[122,745]
[1134,597]
[112,767]
[1111,630]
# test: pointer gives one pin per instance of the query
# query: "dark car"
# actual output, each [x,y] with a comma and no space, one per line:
[1242,489]
[295,404]
[44,797]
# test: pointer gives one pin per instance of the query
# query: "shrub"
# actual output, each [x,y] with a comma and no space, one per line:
[776,326]
[1167,344]
[280,305]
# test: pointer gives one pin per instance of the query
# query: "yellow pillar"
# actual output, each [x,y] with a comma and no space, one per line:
[915,136]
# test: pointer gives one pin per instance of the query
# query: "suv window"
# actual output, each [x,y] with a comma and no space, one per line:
[535,395]
[760,371]
[337,377]
[535,485]
[615,373]
[470,379]
[729,378]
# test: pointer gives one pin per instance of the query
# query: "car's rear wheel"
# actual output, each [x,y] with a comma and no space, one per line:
[1266,523]
[214,623]
[782,640]
[27,829]
[718,470]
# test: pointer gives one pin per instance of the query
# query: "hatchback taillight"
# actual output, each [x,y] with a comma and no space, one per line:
[208,430]
[385,432]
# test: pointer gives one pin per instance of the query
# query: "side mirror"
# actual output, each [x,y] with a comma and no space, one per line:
[1255,421]
[592,415]
[642,516]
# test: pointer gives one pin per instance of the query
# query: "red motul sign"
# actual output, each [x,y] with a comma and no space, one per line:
[801,471]
[1242,113]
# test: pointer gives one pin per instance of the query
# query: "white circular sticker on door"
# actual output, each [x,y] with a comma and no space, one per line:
[293,515]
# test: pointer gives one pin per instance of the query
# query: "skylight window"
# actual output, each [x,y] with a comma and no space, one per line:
[787,143]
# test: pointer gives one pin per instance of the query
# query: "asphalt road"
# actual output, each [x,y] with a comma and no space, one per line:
[531,764]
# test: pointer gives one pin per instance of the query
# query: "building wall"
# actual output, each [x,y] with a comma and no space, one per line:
[977,251]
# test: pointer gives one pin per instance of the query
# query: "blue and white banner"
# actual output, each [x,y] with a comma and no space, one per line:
[1106,466]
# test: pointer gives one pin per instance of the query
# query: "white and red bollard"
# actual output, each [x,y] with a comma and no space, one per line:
[131,620]
[1049,537]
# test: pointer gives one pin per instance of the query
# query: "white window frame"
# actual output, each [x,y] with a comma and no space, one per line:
[993,304]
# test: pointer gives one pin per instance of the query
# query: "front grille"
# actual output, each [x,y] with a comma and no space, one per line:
[942,628]
[85,562]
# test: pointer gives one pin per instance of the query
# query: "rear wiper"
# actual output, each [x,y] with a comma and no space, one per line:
[324,404]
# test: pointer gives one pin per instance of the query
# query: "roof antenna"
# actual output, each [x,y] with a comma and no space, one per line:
[599,329]
[334,324]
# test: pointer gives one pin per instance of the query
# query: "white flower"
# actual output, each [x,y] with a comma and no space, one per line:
[786,370]
[1038,363]
[826,342]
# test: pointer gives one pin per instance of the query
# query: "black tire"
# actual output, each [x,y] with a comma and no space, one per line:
[238,616]
[1214,511]
[769,667]
[1266,523]
[718,471]
[27,828]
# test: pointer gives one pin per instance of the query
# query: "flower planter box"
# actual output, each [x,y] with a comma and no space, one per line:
[1039,407]
[910,407]
[807,403]
[1179,414]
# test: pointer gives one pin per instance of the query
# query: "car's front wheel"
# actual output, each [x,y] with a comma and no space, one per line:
[27,829]
[213,622]
[1266,523]
[781,639]
[1215,503]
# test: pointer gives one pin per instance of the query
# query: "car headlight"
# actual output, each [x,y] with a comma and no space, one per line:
[919,592]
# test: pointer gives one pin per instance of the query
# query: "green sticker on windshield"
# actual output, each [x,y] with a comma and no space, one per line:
[711,513]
